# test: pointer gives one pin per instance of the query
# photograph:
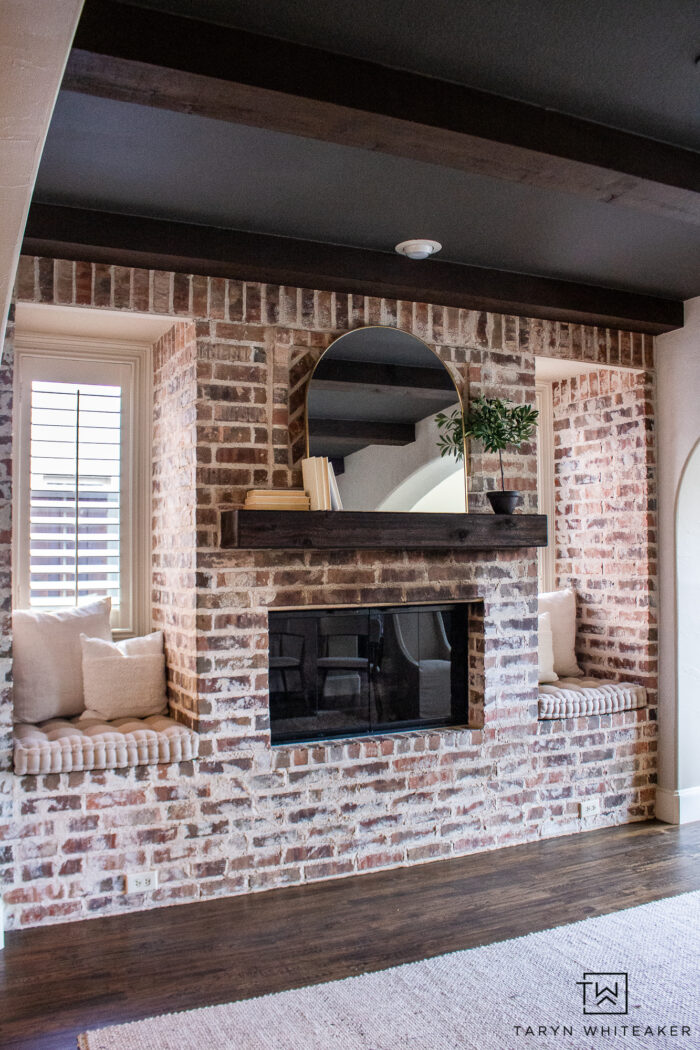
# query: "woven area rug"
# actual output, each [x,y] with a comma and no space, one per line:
[631,979]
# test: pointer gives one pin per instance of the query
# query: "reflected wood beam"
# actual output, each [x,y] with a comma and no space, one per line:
[353,432]
[131,240]
[336,374]
[146,57]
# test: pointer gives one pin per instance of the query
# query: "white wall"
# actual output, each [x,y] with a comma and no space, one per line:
[678,432]
[390,477]
[35,38]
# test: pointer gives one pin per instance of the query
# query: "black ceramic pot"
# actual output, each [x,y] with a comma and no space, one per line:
[504,502]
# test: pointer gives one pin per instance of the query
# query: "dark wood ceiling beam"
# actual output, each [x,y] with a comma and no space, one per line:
[146,57]
[130,240]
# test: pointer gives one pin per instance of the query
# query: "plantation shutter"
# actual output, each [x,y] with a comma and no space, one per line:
[75,493]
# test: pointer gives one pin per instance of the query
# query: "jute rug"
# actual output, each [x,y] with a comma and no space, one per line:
[631,979]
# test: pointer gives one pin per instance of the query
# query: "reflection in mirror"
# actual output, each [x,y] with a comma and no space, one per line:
[371,407]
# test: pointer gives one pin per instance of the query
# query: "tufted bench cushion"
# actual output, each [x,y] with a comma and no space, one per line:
[67,745]
[570,697]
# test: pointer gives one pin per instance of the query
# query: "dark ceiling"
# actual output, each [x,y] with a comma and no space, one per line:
[120,157]
[628,64]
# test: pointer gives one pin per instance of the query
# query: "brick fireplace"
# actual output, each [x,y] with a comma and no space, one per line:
[228,415]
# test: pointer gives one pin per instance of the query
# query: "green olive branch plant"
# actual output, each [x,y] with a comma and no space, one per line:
[494,421]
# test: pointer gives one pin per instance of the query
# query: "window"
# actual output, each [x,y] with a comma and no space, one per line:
[82,496]
[74,493]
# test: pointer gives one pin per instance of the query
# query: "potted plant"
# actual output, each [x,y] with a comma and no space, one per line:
[498,424]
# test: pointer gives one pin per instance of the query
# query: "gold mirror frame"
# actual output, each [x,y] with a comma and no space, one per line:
[383,327]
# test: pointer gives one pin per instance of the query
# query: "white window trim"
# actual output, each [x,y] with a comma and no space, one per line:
[546,556]
[136,531]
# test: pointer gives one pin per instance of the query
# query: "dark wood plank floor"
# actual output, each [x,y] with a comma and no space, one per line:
[60,980]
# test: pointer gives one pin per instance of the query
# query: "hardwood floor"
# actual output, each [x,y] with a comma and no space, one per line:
[60,980]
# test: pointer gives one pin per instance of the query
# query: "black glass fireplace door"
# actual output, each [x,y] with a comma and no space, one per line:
[351,672]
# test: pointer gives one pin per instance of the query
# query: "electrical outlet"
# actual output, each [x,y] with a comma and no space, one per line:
[588,807]
[141,881]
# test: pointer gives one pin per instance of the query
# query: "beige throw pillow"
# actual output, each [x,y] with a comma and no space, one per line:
[561,605]
[124,679]
[47,659]
[545,649]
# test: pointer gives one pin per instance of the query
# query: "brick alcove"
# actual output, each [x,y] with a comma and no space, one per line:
[228,382]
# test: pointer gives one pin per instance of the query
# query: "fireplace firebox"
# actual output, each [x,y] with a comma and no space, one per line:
[356,671]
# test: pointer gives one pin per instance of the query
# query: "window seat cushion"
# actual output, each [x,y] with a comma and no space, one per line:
[570,697]
[69,745]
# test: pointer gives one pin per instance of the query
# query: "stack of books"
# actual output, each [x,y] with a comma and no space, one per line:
[320,491]
[277,499]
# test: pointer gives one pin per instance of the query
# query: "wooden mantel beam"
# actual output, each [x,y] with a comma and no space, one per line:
[142,56]
[130,240]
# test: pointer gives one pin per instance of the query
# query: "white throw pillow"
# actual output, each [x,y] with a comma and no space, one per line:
[545,649]
[124,679]
[47,659]
[561,605]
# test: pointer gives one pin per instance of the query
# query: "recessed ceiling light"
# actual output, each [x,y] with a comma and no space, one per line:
[418,248]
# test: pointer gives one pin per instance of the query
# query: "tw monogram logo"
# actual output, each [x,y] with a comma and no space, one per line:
[604,993]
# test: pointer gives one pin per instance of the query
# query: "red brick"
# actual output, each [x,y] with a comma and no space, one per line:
[229,395]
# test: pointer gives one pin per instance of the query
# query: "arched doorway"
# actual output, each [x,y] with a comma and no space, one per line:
[688,622]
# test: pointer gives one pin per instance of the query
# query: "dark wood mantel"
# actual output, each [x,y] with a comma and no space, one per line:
[348,530]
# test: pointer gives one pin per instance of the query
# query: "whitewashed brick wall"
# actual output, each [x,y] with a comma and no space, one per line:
[229,380]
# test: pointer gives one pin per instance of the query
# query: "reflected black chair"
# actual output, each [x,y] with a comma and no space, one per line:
[287,659]
[351,647]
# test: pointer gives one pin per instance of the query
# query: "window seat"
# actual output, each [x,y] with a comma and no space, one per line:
[70,745]
[570,697]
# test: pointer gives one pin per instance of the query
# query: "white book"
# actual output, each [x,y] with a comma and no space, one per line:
[273,499]
[314,470]
[336,502]
[257,499]
[320,481]
[309,477]
[308,472]
[282,494]
[273,504]
[279,506]
[325,499]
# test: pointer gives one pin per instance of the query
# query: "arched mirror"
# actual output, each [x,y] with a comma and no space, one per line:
[371,406]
